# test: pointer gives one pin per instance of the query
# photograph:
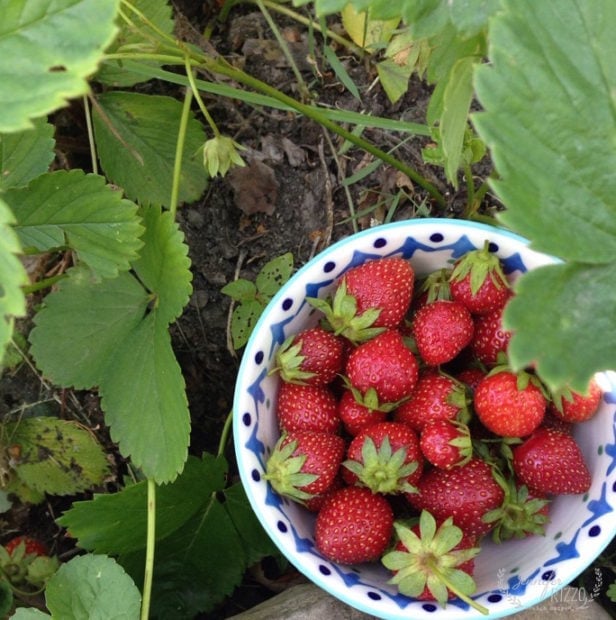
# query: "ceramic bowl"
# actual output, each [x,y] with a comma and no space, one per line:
[510,577]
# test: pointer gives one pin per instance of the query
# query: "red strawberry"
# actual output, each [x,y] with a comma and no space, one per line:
[471,377]
[304,464]
[490,339]
[478,281]
[371,296]
[551,462]
[307,408]
[510,404]
[315,503]
[572,406]
[355,416]
[354,526]
[32,546]
[311,357]
[441,330]
[384,365]
[384,457]
[446,443]
[434,397]
[464,493]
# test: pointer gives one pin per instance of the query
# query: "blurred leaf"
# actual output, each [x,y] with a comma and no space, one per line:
[47,52]
[341,72]
[26,154]
[365,31]
[6,598]
[471,16]
[136,136]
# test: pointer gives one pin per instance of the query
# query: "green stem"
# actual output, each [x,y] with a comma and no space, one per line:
[199,100]
[149,551]
[42,284]
[86,109]
[467,599]
[179,151]
[224,436]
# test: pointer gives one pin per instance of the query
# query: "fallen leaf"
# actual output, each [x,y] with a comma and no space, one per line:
[255,188]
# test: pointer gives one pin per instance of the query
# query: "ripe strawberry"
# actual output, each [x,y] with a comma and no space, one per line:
[371,296]
[470,377]
[315,503]
[434,397]
[572,406]
[307,408]
[384,457]
[385,365]
[304,464]
[311,357]
[446,443]
[478,281]
[490,339]
[510,404]
[355,416]
[441,330]
[464,493]
[354,526]
[551,462]
[32,546]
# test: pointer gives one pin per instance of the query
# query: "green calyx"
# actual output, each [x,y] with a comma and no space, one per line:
[480,264]
[436,285]
[342,319]
[289,361]
[432,561]
[370,399]
[284,471]
[381,469]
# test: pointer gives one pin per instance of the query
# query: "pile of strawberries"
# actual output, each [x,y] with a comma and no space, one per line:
[405,430]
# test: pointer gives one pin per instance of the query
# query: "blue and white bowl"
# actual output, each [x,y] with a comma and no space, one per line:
[510,577]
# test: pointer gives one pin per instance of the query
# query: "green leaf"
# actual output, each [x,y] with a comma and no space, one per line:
[569,334]
[240,290]
[47,52]
[471,16]
[12,277]
[548,95]
[140,32]
[136,136]
[79,211]
[116,523]
[341,73]
[92,586]
[394,78]
[26,154]
[6,599]
[274,274]
[29,613]
[243,320]
[59,457]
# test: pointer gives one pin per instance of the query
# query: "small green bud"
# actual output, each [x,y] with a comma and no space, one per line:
[219,154]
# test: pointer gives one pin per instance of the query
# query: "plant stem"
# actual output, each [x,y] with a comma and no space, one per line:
[149,551]
[179,151]
[200,103]
[224,435]
[86,109]
[42,284]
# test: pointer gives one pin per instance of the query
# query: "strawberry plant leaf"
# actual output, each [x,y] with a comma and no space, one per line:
[76,210]
[471,16]
[56,57]
[136,137]
[26,154]
[59,457]
[556,157]
[548,330]
[27,613]
[92,586]
[158,19]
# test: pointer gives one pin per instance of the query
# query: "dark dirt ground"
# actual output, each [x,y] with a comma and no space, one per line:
[296,177]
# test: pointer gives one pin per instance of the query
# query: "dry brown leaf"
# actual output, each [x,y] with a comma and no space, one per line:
[255,188]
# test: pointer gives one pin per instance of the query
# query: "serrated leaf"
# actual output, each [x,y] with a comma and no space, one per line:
[92,586]
[274,274]
[26,154]
[569,334]
[58,46]
[136,136]
[59,457]
[243,320]
[556,157]
[157,19]
[116,523]
[77,210]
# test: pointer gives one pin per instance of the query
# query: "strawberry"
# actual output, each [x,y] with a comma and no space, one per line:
[315,503]
[431,562]
[32,546]
[434,397]
[354,526]
[307,408]
[551,462]
[446,443]
[572,406]
[384,457]
[441,330]
[304,464]
[470,377]
[355,416]
[490,339]
[464,493]
[312,357]
[383,365]
[369,297]
[510,404]
[477,281]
